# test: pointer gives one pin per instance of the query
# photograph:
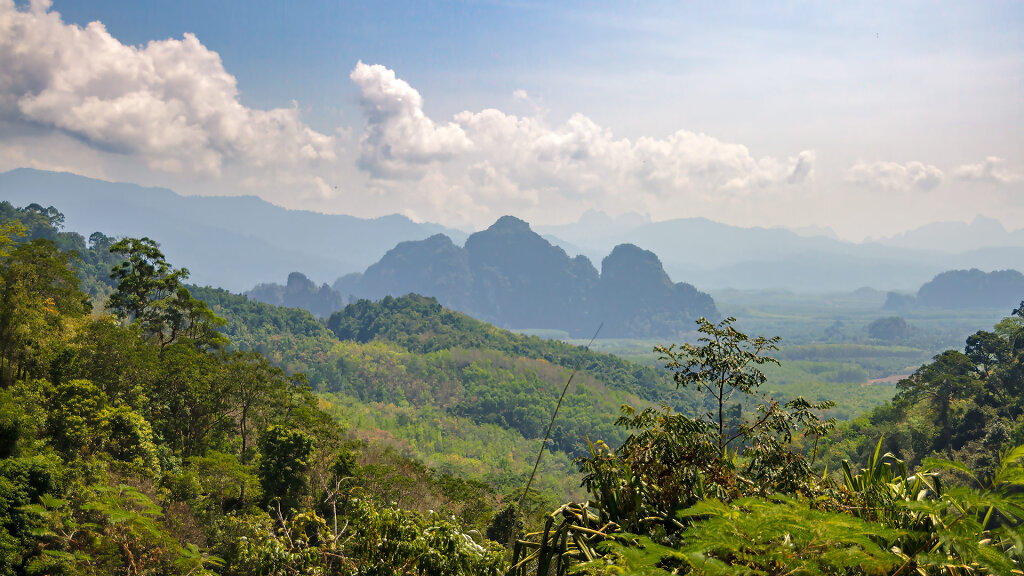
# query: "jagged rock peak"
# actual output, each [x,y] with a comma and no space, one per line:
[438,239]
[631,261]
[510,224]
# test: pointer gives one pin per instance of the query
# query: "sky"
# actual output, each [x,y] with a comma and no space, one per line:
[870,118]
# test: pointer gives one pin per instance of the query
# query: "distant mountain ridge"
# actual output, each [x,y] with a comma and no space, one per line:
[959,289]
[957,237]
[299,292]
[232,242]
[810,259]
[512,277]
[237,242]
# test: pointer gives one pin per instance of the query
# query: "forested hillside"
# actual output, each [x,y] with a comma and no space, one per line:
[966,405]
[156,428]
[424,368]
[955,289]
[138,443]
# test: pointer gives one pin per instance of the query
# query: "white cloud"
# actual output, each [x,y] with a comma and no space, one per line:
[169,113]
[896,176]
[399,137]
[507,161]
[991,169]
[170,102]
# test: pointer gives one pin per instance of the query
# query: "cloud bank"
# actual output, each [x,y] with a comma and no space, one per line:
[170,103]
[894,176]
[490,155]
[172,107]
[991,169]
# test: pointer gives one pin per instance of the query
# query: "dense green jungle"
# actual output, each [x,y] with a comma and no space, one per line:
[148,426]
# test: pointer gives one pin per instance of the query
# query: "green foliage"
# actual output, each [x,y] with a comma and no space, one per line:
[782,534]
[507,524]
[422,325]
[669,463]
[284,464]
[627,553]
[457,446]
[77,411]
[881,522]
[255,388]
[129,439]
[127,448]
[374,541]
[724,363]
[224,481]
[188,402]
[112,528]
[890,329]
[150,291]
[962,406]
[144,278]
[38,295]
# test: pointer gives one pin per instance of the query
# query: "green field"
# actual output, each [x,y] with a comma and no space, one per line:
[826,352]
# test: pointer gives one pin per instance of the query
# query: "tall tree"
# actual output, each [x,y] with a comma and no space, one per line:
[38,290]
[255,386]
[143,279]
[150,292]
[950,377]
[725,362]
[285,457]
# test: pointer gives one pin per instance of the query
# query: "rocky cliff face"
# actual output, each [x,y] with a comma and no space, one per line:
[521,280]
[431,266]
[512,277]
[300,292]
[638,298]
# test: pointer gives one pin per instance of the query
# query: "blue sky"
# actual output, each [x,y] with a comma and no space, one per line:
[869,118]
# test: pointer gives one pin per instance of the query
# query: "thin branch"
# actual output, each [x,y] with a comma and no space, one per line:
[547,435]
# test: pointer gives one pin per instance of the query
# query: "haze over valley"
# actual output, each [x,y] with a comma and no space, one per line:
[259,242]
[512,288]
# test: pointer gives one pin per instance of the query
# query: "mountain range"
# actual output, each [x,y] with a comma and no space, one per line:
[964,289]
[236,242]
[715,256]
[232,242]
[512,277]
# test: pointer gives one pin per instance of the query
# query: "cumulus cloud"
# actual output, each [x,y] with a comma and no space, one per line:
[170,102]
[896,176]
[399,137]
[170,112]
[492,155]
[991,169]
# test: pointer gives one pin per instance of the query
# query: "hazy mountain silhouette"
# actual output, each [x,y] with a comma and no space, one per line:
[300,292]
[227,241]
[958,237]
[958,289]
[808,260]
[236,242]
[512,277]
